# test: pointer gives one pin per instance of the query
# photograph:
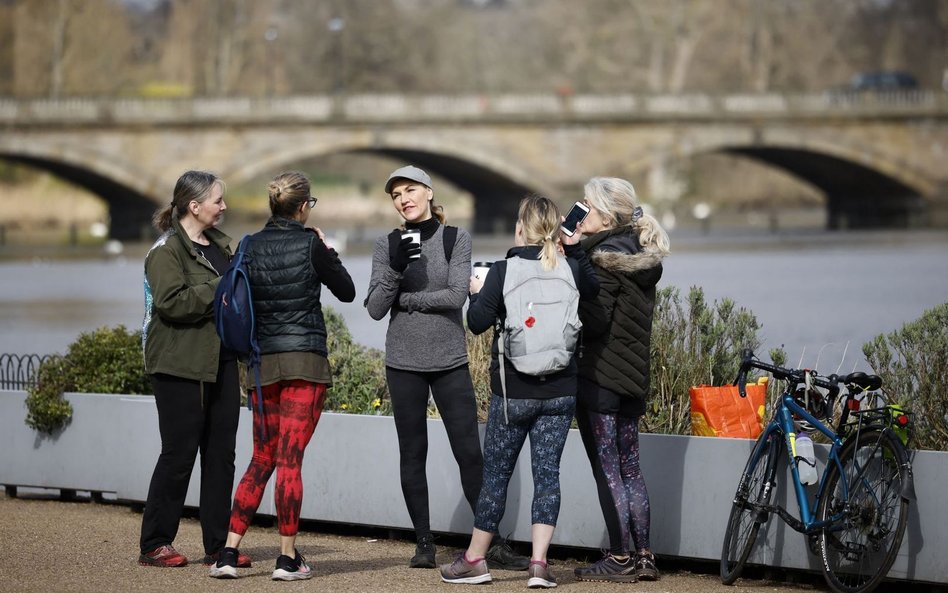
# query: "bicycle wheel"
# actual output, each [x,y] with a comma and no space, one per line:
[754,490]
[859,549]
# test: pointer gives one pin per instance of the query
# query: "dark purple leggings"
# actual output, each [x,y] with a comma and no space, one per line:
[612,444]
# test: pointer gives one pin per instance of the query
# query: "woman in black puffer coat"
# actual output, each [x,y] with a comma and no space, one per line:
[626,248]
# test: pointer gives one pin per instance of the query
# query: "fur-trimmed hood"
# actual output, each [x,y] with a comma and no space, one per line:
[619,262]
[618,252]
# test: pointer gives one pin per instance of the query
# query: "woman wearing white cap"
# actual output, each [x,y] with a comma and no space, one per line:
[422,289]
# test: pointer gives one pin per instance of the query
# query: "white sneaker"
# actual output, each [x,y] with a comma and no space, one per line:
[292,569]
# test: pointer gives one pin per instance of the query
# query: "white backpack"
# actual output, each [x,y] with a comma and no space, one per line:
[542,325]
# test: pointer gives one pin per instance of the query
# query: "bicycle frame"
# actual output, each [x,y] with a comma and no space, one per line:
[782,423]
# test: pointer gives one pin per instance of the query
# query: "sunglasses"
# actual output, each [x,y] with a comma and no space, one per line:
[311,201]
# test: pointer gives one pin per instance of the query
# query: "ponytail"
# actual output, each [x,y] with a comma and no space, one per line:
[437,211]
[548,253]
[652,236]
[540,224]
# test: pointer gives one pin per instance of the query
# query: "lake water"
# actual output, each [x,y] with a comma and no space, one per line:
[810,293]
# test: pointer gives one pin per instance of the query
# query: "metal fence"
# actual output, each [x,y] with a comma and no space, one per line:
[19,371]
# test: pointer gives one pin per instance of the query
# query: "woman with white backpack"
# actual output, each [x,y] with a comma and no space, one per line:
[533,294]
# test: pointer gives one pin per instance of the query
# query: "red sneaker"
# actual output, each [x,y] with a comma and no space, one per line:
[165,556]
[243,560]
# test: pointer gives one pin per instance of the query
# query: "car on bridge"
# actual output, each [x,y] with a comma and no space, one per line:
[886,80]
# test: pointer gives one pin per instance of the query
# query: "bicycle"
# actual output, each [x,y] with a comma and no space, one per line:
[860,507]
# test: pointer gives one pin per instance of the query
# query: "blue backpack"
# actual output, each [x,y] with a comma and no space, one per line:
[234,318]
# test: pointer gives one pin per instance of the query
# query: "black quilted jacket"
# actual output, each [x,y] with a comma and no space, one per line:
[286,289]
[617,326]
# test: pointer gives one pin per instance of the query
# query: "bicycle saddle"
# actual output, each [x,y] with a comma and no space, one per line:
[861,379]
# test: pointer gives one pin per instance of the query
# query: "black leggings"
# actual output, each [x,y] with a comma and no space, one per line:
[454,395]
[190,420]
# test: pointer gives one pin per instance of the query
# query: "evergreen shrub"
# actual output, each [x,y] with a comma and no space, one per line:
[913,364]
[106,360]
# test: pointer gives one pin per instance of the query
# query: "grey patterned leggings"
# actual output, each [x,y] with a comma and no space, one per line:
[547,422]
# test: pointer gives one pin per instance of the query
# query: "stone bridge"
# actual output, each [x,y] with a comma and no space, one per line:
[880,159]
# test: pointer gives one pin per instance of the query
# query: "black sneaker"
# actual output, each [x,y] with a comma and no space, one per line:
[501,556]
[425,552]
[226,565]
[608,570]
[645,567]
[291,569]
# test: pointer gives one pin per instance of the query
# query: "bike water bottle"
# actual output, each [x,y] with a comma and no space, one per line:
[806,459]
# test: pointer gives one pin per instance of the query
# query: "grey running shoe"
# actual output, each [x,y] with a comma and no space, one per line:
[608,570]
[540,576]
[645,568]
[226,565]
[292,569]
[425,552]
[463,572]
[501,556]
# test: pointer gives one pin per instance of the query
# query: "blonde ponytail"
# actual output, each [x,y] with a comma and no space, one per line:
[540,224]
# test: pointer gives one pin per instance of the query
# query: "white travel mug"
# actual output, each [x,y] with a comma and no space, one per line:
[415,235]
[481,268]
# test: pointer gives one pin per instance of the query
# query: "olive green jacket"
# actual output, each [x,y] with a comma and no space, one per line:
[178,334]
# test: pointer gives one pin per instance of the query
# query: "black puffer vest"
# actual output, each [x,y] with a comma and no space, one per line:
[617,328]
[286,289]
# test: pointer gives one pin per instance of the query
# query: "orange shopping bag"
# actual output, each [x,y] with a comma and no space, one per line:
[722,412]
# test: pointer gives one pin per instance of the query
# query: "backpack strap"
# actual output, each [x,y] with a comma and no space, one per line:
[253,361]
[450,236]
[499,328]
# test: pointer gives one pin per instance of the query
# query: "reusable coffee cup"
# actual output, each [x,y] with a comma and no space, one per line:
[415,235]
[481,268]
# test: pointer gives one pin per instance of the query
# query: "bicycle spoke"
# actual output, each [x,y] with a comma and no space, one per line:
[747,512]
[859,549]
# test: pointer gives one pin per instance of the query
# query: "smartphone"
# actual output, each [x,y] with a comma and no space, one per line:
[576,215]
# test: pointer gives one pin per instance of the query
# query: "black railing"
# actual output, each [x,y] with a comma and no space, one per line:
[19,371]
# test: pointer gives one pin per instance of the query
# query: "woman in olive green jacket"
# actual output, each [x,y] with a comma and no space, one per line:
[193,377]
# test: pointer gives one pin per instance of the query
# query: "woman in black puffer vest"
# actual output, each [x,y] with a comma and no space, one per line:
[288,263]
[626,247]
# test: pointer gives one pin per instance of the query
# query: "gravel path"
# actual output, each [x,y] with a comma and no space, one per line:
[49,545]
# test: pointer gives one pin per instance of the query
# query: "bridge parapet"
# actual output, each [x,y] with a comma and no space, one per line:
[388,108]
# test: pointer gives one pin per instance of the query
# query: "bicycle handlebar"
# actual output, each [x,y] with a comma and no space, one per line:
[748,362]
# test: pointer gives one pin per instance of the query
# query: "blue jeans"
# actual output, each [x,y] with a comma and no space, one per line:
[547,422]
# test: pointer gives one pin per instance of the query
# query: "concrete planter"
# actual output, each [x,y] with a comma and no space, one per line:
[351,476]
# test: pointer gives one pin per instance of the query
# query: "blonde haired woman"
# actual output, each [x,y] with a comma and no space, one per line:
[288,264]
[626,247]
[541,407]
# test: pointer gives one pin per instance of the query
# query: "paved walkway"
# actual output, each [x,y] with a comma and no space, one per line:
[48,545]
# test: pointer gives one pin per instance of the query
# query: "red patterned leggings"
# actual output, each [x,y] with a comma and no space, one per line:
[291,411]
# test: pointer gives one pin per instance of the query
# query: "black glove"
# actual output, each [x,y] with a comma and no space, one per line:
[407,250]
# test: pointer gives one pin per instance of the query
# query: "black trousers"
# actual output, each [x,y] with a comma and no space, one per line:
[190,422]
[453,393]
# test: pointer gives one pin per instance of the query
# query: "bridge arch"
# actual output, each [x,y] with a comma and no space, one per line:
[864,188]
[495,184]
[129,192]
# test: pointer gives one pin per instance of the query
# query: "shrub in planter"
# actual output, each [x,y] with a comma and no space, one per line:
[913,364]
[359,385]
[107,360]
[693,343]
[478,355]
